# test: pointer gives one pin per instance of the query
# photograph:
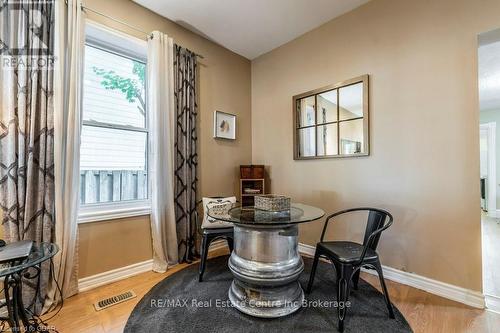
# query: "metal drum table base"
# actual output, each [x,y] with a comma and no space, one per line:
[259,302]
[266,266]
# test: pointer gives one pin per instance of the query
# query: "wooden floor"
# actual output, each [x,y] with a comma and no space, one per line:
[425,312]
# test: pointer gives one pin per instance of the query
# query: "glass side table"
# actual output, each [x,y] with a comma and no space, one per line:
[13,272]
[265,261]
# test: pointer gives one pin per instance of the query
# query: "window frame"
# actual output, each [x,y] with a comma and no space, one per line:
[314,93]
[94,212]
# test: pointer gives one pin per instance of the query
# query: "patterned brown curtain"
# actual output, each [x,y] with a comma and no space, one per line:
[27,128]
[186,158]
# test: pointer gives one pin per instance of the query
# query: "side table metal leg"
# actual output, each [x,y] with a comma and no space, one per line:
[11,305]
[20,304]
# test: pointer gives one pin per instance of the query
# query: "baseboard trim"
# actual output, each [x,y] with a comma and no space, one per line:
[114,275]
[307,249]
[492,303]
[101,279]
[446,290]
[217,245]
[449,291]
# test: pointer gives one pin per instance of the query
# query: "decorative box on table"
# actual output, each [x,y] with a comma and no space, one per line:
[272,203]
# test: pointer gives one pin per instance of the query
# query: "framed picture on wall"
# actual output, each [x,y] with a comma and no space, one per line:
[224,125]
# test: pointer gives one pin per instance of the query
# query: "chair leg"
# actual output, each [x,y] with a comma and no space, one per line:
[355,279]
[205,242]
[378,267]
[313,271]
[344,273]
[229,241]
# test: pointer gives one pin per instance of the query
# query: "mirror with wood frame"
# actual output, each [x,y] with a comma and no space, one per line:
[332,121]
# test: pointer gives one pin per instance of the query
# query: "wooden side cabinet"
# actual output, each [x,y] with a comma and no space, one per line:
[252,183]
[249,188]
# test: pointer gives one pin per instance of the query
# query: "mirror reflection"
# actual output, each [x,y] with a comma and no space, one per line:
[327,140]
[306,111]
[351,137]
[307,142]
[327,107]
[351,101]
[332,121]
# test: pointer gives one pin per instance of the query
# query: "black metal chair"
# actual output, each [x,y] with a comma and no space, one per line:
[211,230]
[349,257]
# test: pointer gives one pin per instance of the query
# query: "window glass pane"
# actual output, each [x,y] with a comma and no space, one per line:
[327,107]
[112,165]
[113,162]
[306,112]
[114,90]
[351,101]
[327,140]
[307,144]
[351,137]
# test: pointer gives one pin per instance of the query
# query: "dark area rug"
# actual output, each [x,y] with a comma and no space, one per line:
[182,304]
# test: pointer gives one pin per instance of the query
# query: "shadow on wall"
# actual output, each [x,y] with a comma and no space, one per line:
[267,179]
[352,227]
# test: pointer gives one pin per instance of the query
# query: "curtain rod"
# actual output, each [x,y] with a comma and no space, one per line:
[148,35]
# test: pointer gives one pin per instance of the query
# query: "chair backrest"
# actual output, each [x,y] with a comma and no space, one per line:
[376,220]
[221,203]
[199,203]
[210,202]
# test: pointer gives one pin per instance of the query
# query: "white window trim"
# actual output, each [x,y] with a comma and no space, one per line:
[113,210]
[105,211]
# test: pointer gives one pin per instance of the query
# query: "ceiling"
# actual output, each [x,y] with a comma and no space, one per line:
[250,27]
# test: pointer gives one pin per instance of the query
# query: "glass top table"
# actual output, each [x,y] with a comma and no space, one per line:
[40,252]
[14,272]
[249,215]
[265,261]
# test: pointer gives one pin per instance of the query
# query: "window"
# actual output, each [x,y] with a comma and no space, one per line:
[114,136]
[332,121]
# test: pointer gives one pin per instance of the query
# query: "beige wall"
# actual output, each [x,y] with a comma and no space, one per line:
[104,246]
[225,86]
[424,162]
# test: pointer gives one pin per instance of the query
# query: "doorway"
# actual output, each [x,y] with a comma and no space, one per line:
[487,149]
[489,116]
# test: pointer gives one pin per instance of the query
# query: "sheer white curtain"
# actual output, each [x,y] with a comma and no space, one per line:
[69,50]
[161,164]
